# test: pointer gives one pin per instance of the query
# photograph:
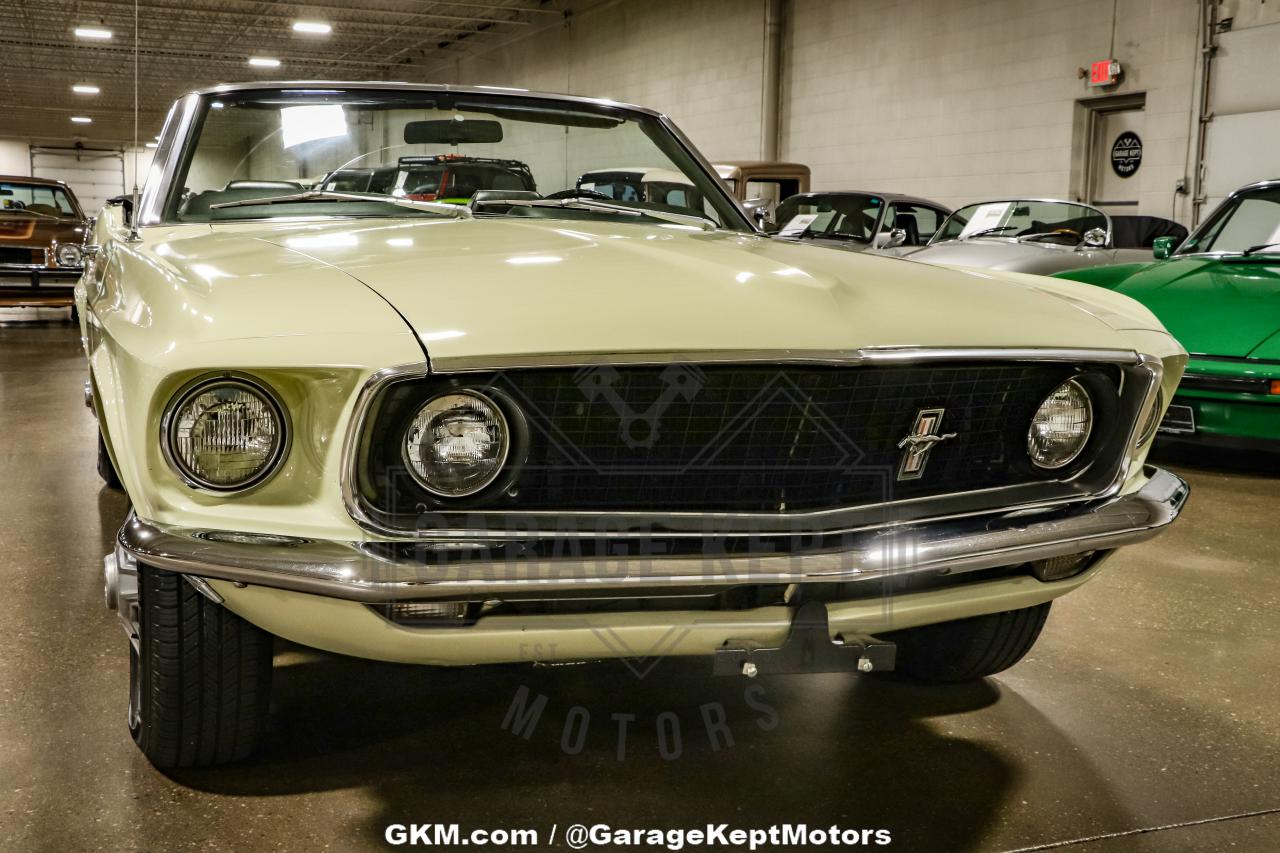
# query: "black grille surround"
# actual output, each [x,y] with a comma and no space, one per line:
[774,441]
[21,257]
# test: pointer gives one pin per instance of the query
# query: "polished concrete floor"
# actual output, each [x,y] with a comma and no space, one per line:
[1145,719]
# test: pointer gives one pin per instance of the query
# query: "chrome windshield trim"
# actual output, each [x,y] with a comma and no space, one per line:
[155,190]
[1134,364]
[184,112]
[396,86]
[355,571]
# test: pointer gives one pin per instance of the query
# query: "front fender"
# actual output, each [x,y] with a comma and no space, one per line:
[1108,276]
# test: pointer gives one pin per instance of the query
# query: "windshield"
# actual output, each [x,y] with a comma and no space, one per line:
[35,200]
[851,216]
[1049,221]
[1247,222]
[439,147]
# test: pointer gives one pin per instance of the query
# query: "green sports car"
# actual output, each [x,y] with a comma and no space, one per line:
[1219,294]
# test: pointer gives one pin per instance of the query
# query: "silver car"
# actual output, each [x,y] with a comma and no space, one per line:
[1042,236]
[885,223]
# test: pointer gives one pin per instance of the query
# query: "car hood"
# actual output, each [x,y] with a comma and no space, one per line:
[988,254]
[1212,307]
[475,291]
[37,232]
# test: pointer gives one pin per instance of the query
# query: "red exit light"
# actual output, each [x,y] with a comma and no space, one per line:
[1104,72]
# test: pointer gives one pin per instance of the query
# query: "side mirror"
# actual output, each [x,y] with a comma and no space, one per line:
[1162,247]
[758,208]
[1094,238]
[892,239]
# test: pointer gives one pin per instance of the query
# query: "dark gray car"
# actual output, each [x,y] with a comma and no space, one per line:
[885,223]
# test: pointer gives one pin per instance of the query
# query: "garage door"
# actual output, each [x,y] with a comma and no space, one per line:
[1244,98]
[93,174]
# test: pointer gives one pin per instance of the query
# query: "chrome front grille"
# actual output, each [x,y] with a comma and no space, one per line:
[707,439]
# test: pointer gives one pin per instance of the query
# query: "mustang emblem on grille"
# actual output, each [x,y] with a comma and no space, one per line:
[924,435]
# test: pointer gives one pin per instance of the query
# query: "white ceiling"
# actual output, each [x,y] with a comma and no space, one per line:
[185,45]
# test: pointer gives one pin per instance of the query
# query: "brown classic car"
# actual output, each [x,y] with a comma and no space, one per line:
[761,184]
[41,232]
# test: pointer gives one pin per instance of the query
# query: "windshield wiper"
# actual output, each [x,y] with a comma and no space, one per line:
[592,204]
[987,231]
[457,211]
[1258,248]
[834,235]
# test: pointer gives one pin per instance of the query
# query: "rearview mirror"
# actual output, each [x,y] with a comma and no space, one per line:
[452,131]
[1162,247]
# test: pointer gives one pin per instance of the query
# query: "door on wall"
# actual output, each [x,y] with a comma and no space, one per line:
[94,174]
[1115,157]
[1244,102]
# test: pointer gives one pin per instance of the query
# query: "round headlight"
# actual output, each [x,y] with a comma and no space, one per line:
[69,255]
[457,444]
[1152,420]
[1061,426]
[225,434]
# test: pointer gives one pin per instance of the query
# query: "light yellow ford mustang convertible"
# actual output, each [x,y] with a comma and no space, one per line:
[540,422]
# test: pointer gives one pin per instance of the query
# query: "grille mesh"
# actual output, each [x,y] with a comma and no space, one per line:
[739,438]
[10,255]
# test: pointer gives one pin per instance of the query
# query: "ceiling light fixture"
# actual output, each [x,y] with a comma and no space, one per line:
[264,62]
[152,144]
[85,89]
[314,28]
[82,120]
[92,33]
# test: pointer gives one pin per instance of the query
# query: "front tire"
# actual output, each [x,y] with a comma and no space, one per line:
[200,676]
[968,649]
[106,470]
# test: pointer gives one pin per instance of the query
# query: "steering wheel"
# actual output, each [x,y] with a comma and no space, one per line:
[1071,231]
[577,194]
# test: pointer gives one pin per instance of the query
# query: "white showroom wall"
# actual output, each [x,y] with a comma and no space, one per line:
[700,61]
[15,158]
[963,100]
[953,99]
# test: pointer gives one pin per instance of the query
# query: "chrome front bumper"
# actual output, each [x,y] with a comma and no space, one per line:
[368,571]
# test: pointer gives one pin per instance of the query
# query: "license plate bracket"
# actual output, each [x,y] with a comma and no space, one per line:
[808,648]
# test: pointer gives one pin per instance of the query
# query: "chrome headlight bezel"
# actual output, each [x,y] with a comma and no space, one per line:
[1151,423]
[189,392]
[506,435]
[73,251]
[1090,410]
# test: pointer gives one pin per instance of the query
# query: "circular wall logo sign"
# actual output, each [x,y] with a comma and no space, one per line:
[1126,154]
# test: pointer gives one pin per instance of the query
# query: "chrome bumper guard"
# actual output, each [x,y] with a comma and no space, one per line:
[366,571]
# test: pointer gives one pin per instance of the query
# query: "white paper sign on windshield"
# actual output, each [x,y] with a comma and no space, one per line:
[797,225]
[985,217]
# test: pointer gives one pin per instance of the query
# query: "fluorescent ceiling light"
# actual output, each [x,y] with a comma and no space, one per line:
[92,33]
[264,62]
[315,28]
[82,120]
[314,121]
[152,144]
[85,89]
